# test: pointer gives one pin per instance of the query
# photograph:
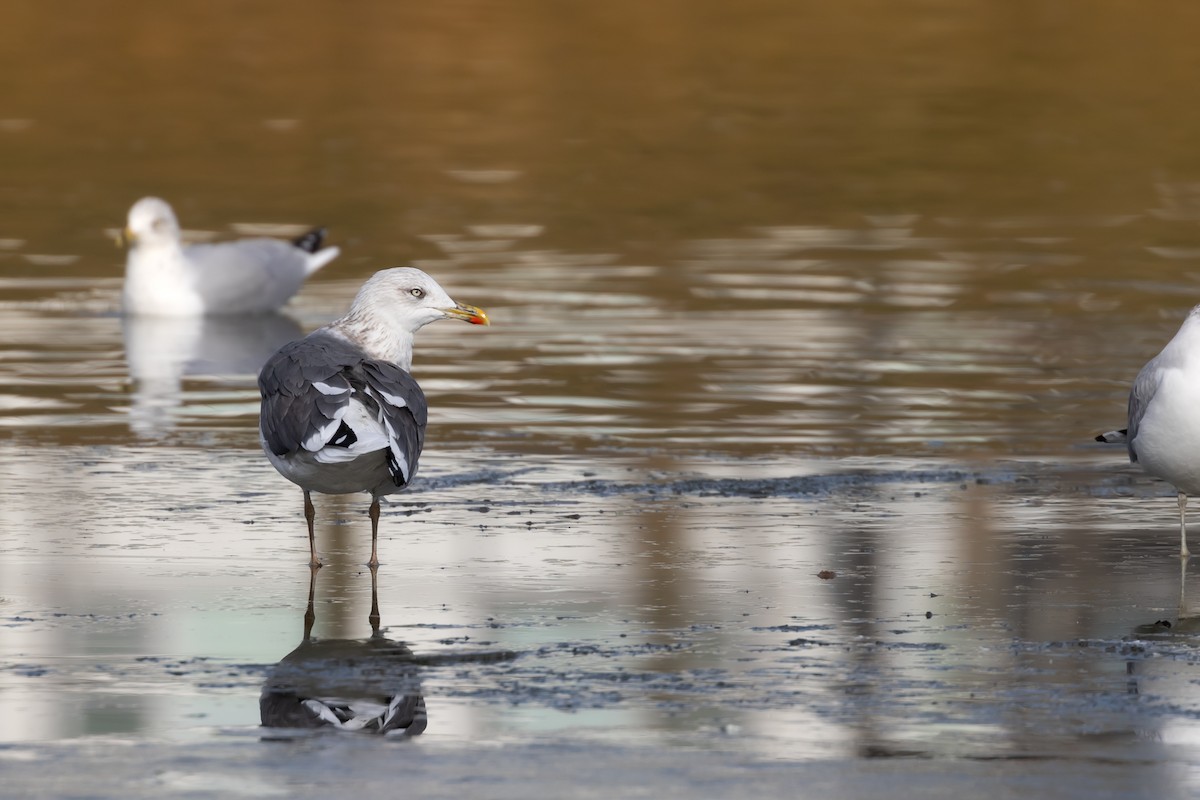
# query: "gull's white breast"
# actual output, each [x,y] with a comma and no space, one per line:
[1168,436]
[157,282]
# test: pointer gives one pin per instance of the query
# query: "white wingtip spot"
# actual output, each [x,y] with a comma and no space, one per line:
[393,400]
[402,463]
[325,388]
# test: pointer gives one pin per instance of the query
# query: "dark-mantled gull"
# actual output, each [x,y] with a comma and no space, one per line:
[167,278]
[1163,433]
[340,411]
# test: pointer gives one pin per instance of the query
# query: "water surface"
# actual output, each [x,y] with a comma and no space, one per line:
[780,446]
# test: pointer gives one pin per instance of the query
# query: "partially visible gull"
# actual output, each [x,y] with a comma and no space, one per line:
[167,278]
[1164,417]
[340,412]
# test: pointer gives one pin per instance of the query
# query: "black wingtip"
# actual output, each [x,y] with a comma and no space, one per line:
[311,241]
[394,470]
[1123,434]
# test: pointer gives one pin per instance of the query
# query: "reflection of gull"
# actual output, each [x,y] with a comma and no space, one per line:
[1187,621]
[161,351]
[340,412]
[164,277]
[370,685]
[1164,424]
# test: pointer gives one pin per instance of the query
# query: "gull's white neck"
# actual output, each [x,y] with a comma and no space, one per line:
[378,337]
[157,281]
[1185,344]
[157,252]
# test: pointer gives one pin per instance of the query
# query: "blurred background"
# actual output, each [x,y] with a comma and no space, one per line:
[727,248]
[860,226]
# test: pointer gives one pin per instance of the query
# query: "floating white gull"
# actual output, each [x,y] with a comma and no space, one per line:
[167,278]
[340,412]
[1164,417]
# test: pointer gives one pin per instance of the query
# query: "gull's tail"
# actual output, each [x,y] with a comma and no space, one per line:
[1114,437]
[311,241]
[311,244]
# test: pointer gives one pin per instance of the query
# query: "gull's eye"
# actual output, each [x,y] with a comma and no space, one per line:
[417,293]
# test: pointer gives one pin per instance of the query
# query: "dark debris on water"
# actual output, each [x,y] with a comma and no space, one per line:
[800,486]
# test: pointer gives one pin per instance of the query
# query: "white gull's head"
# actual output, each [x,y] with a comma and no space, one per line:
[406,299]
[392,306]
[151,222]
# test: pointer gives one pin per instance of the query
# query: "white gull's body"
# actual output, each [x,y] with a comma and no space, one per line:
[1163,433]
[164,277]
[340,411]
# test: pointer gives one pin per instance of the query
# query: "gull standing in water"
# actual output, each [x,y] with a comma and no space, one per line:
[1164,417]
[340,411]
[164,277]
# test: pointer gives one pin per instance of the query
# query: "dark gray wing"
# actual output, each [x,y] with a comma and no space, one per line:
[1144,388]
[405,414]
[306,390]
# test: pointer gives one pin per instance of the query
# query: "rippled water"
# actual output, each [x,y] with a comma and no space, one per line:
[791,291]
[797,341]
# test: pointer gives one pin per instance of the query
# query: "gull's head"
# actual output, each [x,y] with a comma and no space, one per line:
[151,222]
[408,299]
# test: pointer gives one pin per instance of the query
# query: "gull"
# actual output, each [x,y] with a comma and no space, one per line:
[164,277]
[1163,433]
[340,411]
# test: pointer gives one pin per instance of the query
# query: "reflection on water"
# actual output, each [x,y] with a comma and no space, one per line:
[162,351]
[954,340]
[371,685]
[625,603]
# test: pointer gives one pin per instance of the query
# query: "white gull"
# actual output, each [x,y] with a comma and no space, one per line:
[164,277]
[1163,433]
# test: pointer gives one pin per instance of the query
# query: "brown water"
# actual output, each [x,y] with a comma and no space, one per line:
[776,288]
